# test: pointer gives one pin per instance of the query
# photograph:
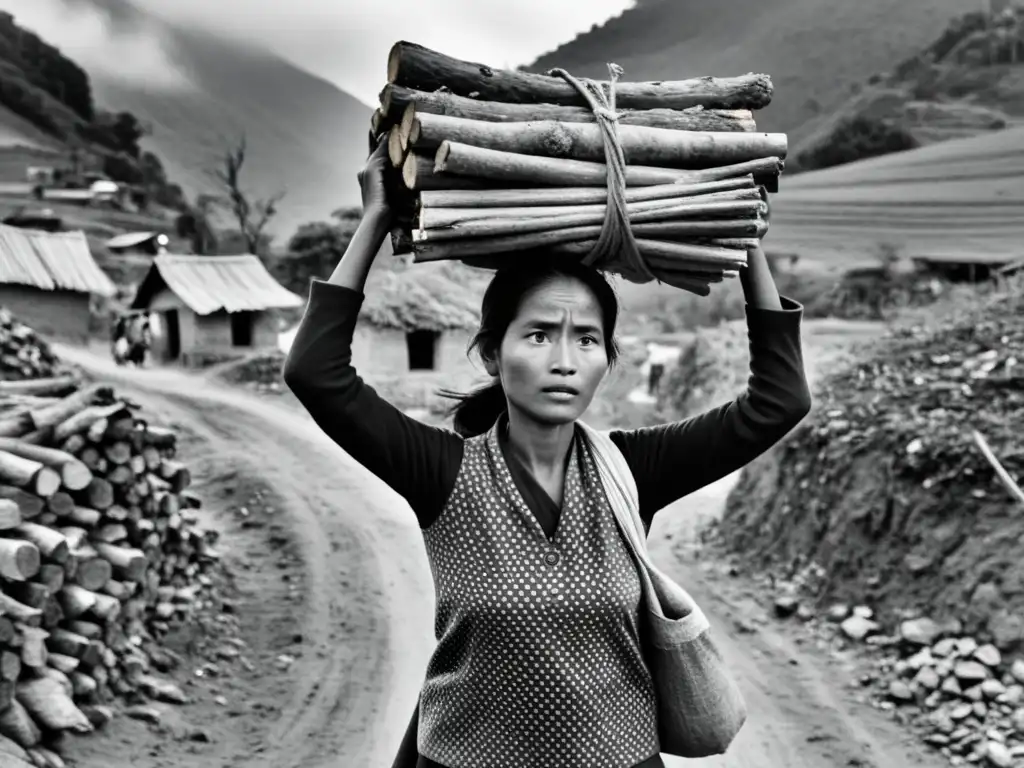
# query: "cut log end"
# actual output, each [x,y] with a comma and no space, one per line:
[395,150]
[395,60]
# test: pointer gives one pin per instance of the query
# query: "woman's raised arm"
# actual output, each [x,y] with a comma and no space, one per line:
[418,461]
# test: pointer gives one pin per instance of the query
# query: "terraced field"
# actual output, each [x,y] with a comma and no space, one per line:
[962,200]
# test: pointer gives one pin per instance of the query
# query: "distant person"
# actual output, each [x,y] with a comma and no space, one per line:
[119,340]
[654,378]
[138,340]
[539,661]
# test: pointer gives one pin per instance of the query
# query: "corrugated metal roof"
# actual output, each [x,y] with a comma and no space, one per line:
[51,261]
[128,239]
[209,283]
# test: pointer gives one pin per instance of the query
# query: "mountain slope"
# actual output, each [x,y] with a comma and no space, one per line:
[814,50]
[304,135]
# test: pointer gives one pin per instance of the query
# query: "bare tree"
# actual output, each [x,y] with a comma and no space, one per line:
[252,215]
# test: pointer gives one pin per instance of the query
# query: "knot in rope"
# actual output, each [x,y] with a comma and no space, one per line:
[616,245]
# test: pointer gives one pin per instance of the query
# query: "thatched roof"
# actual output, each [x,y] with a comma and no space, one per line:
[426,297]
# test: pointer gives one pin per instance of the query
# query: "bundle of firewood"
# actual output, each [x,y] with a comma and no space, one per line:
[489,164]
[99,555]
[23,354]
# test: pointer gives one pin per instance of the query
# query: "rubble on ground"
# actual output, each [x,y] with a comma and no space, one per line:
[884,485]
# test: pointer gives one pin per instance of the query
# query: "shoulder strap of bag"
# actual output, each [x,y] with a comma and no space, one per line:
[618,482]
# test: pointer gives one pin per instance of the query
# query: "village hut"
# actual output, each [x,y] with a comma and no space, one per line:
[204,309]
[419,319]
[47,280]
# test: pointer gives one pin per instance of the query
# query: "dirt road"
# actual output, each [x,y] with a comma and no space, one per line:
[367,629]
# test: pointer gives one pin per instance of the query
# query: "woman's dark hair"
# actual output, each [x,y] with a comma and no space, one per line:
[476,411]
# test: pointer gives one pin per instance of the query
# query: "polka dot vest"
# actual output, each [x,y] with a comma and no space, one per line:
[538,660]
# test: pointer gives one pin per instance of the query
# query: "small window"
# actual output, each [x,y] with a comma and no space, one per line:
[241,329]
[422,347]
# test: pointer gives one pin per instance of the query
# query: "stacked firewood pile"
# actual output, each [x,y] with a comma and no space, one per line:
[100,556]
[23,354]
[489,163]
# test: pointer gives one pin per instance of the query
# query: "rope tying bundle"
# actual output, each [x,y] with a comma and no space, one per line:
[616,245]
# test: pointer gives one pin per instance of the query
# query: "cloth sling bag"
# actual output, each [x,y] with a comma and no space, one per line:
[700,707]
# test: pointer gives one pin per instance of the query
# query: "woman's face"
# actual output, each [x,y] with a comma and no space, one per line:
[553,355]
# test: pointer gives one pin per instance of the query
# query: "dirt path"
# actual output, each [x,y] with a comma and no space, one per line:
[368,613]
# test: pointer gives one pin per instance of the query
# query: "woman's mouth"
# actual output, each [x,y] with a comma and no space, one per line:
[561,393]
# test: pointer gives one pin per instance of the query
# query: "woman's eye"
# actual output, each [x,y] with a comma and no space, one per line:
[587,340]
[538,336]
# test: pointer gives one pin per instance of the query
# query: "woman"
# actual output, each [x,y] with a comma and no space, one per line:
[538,660]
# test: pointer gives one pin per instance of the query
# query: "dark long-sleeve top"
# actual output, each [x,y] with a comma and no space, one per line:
[421,462]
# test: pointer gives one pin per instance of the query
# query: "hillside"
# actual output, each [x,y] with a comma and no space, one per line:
[304,135]
[961,199]
[814,51]
[884,486]
[969,80]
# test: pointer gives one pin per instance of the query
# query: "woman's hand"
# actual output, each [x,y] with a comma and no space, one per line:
[371,181]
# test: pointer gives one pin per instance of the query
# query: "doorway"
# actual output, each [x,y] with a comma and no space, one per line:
[173,331]
[422,349]
[241,328]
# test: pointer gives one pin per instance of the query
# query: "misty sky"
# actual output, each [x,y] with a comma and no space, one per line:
[344,41]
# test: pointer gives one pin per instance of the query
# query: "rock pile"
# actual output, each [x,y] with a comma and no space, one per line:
[965,698]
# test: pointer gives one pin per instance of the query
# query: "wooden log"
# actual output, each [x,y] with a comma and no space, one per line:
[60,504]
[111,533]
[33,645]
[403,104]
[53,546]
[46,758]
[478,200]
[28,593]
[439,218]
[396,151]
[62,663]
[10,666]
[415,66]
[11,751]
[418,173]
[93,572]
[50,706]
[29,475]
[98,495]
[531,241]
[76,601]
[84,516]
[53,385]
[51,575]
[81,420]
[10,514]
[68,643]
[8,634]
[129,564]
[29,504]
[118,452]
[74,474]
[176,474]
[159,437]
[18,726]
[16,424]
[658,147]
[454,158]
[53,613]
[106,607]
[84,687]
[19,559]
[67,407]
[452,228]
